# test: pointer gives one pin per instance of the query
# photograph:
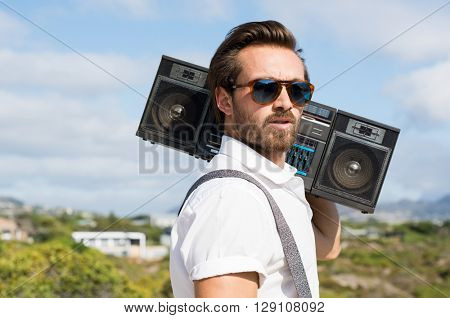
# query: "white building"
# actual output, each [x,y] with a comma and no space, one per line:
[11,231]
[165,239]
[122,244]
[156,253]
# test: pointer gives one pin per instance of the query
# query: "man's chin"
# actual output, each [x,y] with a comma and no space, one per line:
[280,147]
[269,140]
[279,144]
[281,140]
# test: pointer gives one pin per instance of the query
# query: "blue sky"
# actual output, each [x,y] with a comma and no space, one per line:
[68,129]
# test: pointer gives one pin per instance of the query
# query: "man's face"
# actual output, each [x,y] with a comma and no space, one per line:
[270,128]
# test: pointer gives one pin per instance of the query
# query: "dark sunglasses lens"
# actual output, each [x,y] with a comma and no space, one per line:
[265,91]
[300,92]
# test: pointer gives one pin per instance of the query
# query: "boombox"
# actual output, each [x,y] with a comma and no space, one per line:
[340,156]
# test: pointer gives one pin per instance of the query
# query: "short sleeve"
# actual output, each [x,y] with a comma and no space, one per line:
[228,233]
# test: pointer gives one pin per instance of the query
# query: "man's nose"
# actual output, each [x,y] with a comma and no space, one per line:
[283,102]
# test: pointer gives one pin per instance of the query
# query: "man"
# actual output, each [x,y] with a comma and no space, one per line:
[225,242]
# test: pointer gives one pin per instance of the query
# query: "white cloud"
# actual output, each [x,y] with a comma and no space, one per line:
[99,183]
[419,166]
[69,169]
[121,197]
[425,91]
[369,24]
[54,125]
[78,149]
[69,72]
[65,151]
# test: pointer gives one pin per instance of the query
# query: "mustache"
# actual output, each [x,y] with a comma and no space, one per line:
[287,115]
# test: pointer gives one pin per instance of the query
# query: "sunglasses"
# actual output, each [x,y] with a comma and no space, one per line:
[266,91]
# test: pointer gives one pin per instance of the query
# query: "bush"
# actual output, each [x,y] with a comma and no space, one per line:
[54,269]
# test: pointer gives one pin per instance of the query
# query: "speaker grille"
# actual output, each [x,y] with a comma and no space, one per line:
[353,168]
[177,109]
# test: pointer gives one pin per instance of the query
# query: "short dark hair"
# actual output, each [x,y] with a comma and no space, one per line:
[225,68]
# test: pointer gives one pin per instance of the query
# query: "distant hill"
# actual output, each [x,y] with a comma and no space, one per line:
[445,199]
[395,212]
[9,202]
[174,210]
[405,210]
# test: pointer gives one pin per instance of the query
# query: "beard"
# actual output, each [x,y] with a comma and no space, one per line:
[264,138]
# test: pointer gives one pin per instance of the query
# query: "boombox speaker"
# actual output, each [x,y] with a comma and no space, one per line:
[355,162]
[340,156]
[177,105]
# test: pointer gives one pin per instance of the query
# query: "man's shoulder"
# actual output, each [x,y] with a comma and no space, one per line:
[230,189]
[231,202]
[224,187]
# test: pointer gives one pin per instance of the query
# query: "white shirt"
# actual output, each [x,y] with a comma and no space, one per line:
[227,226]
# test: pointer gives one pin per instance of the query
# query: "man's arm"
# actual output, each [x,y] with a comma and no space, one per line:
[238,285]
[327,227]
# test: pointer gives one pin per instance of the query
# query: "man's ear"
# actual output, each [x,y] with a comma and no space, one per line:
[224,101]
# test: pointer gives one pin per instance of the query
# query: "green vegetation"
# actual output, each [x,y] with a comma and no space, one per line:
[53,270]
[56,269]
[55,266]
[405,260]
[45,227]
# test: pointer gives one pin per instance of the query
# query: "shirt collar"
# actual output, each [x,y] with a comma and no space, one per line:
[255,162]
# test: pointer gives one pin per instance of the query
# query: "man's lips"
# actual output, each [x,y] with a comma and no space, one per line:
[281,121]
